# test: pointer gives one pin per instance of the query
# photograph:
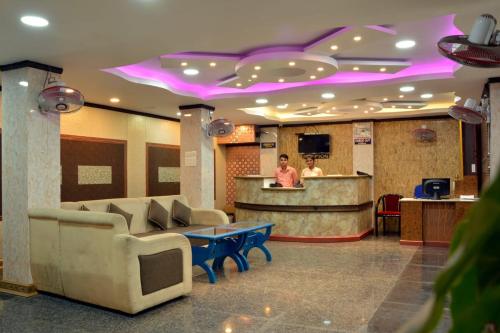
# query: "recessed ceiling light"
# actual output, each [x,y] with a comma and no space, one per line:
[257,68]
[334,108]
[366,111]
[291,63]
[261,101]
[184,64]
[114,100]
[371,109]
[355,68]
[394,106]
[357,38]
[327,111]
[304,105]
[355,106]
[407,89]
[409,106]
[281,80]
[254,76]
[327,95]
[213,64]
[426,95]
[249,80]
[320,69]
[238,84]
[187,114]
[23,83]
[401,96]
[405,44]
[191,71]
[334,47]
[385,99]
[383,69]
[35,21]
[178,113]
[309,113]
[312,77]
[282,106]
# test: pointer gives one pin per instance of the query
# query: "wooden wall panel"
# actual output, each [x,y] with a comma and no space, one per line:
[77,151]
[160,155]
[401,161]
[340,161]
[411,221]
[438,221]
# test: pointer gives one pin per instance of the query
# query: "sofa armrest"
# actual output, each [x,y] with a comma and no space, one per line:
[209,217]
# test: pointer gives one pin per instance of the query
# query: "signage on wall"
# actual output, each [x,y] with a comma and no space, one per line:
[267,145]
[362,133]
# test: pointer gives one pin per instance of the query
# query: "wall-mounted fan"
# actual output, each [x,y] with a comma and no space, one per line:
[423,134]
[220,128]
[479,49]
[471,112]
[59,98]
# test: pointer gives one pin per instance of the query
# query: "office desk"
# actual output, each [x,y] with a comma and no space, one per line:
[431,222]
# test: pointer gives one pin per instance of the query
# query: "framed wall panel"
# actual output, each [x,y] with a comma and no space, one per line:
[162,169]
[93,168]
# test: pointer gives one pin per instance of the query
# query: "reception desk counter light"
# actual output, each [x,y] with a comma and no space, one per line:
[326,209]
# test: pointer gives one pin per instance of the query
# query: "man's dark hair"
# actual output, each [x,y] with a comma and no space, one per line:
[285,156]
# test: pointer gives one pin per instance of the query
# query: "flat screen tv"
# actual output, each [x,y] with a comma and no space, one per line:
[314,143]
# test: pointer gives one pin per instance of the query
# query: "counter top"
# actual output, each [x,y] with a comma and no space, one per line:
[283,188]
[319,177]
[441,200]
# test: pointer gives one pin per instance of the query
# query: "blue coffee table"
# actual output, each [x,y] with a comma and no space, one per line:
[229,240]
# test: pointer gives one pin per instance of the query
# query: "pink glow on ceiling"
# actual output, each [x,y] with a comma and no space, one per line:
[150,72]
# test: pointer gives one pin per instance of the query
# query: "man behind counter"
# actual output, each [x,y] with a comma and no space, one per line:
[285,174]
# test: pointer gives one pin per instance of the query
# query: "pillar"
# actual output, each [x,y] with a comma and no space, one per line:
[494,129]
[269,150]
[197,156]
[30,162]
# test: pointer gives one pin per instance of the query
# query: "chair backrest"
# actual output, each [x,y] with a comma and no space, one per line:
[390,202]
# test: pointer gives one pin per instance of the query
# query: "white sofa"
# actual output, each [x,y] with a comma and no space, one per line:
[92,256]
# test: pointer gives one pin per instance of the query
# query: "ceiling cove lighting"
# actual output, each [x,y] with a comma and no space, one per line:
[405,44]
[407,89]
[23,83]
[327,95]
[426,96]
[191,71]
[35,21]
[261,101]
[114,100]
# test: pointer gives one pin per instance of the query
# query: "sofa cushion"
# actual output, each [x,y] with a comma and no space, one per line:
[181,213]
[84,208]
[167,202]
[117,210]
[70,205]
[96,205]
[158,215]
[139,209]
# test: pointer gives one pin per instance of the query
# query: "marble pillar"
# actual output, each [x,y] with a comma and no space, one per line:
[197,157]
[30,165]
[495,129]
[268,155]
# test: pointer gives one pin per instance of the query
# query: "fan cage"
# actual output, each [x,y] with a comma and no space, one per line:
[459,49]
[60,99]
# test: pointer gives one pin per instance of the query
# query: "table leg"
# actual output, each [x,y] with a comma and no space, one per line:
[211,274]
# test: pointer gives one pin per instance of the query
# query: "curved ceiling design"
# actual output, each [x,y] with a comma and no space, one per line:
[341,57]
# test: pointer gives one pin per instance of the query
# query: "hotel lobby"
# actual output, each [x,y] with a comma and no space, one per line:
[230,166]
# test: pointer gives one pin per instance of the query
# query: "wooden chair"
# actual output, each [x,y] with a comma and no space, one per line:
[390,208]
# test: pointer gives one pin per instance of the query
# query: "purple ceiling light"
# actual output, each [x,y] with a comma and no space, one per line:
[275,68]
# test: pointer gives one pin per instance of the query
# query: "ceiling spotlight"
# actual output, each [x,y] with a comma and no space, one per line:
[249,80]
[281,80]
[213,64]
[383,69]
[394,106]
[257,68]
[371,109]
[357,38]
[191,71]
[385,99]
[334,108]
[238,84]
[405,44]
[291,63]
[409,106]
[366,111]
[187,114]
[114,100]
[407,89]
[304,105]
[320,69]
[312,77]
[327,111]
[35,21]
[355,106]
[282,106]
[23,83]
[309,113]
[401,96]
[178,113]
[254,76]
[426,95]
[184,64]
[327,95]
[334,47]
[355,68]
[261,101]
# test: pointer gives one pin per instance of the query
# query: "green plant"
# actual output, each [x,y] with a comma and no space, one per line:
[471,275]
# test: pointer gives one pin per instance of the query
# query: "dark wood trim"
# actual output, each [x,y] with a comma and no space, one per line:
[104,140]
[495,79]
[436,243]
[411,242]
[304,209]
[241,144]
[196,106]
[31,64]
[128,111]
[321,239]
[160,145]
[25,290]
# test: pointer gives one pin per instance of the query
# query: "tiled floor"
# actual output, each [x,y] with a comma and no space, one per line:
[368,286]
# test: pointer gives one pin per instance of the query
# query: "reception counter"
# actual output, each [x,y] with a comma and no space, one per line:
[326,209]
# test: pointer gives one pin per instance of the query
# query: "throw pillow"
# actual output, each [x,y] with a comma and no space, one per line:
[181,213]
[158,215]
[84,208]
[117,210]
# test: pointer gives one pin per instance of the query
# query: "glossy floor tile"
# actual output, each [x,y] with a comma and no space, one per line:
[368,286]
